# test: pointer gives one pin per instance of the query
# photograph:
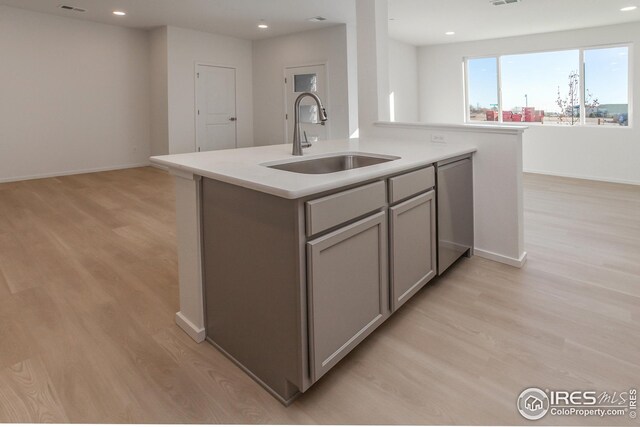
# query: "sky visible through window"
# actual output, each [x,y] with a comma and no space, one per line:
[483,82]
[532,80]
[538,76]
[607,74]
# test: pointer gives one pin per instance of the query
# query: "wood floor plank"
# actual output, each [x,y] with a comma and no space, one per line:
[89,290]
[154,369]
[17,264]
[245,400]
[4,285]
[27,395]
[17,341]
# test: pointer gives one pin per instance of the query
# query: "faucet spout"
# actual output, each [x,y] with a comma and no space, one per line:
[298,145]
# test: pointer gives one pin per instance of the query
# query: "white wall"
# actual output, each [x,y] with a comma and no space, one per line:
[158,79]
[610,154]
[272,56]
[185,49]
[74,95]
[403,81]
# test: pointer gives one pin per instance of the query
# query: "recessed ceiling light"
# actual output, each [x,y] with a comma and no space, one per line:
[263,26]
[119,13]
[450,33]
[628,8]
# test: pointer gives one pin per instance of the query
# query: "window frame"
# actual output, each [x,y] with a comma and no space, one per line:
[581,70]
[465,82]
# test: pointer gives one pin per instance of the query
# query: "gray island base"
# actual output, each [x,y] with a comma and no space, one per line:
[293,285]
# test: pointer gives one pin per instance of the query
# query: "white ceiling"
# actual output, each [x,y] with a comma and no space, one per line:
[238,18]
[418,22]
[424,22]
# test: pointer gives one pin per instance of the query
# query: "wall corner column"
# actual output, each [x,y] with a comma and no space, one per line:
[189,234]
[373,64]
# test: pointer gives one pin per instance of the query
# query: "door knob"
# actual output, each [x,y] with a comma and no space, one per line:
[232,119]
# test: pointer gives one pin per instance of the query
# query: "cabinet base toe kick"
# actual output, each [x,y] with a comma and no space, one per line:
[283,391]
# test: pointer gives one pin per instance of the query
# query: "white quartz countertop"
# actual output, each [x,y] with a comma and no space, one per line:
[245,166]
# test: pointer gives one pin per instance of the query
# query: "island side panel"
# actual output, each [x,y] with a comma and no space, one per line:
[252,283]
[189,236]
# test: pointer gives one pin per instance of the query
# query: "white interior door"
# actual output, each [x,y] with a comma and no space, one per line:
[216,108]
[306,79]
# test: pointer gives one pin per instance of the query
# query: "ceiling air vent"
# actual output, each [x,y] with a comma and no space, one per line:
[503,2]
[317,19]
[72,8]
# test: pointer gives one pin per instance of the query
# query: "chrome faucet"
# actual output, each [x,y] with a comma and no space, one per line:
[297,144]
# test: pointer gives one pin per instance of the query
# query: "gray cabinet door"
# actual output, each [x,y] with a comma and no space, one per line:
[413,247]
[347,289]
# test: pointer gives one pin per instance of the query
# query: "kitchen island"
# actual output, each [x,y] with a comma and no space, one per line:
[287,272]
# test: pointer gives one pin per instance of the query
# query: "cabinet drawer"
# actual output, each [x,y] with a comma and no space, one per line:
[335,209]
[403,186]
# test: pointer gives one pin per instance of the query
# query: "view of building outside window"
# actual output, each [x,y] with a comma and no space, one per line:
[545,87]
[482,89]
[530,86]
[607,81]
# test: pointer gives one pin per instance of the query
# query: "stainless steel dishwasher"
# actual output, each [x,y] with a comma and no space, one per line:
[455,210]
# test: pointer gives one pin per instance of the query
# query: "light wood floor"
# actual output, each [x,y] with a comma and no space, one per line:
[88,292]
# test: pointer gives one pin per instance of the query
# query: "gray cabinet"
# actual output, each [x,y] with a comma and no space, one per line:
[412,245]
[347,289]
[292,286]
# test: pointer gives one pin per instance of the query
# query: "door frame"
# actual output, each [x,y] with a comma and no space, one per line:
[195,97]
[326,101]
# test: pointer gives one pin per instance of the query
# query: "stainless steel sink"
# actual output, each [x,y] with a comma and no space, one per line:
[331,164]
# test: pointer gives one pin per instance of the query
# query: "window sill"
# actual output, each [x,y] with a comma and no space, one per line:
[553,125]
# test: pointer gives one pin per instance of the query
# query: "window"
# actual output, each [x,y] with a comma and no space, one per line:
[305,83]
[606,80]
[482,89]
[541,87]
[549,87]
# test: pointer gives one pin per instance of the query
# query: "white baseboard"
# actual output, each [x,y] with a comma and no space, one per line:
[513,262]
[73,172]
[161,167]
[585,177]
[197,334]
